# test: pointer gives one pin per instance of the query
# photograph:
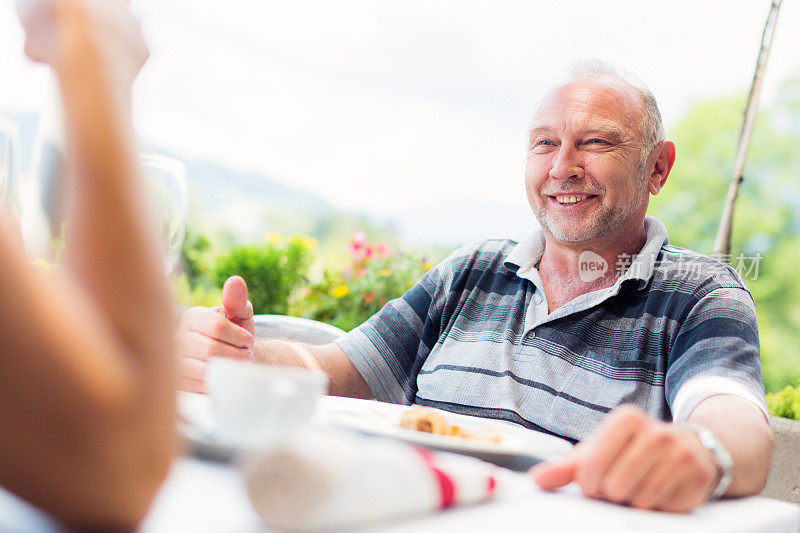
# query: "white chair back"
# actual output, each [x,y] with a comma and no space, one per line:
[295,329]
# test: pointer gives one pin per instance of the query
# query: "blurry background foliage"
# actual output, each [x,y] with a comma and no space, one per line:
[767,217]
[278,270]
[274,270]
[785,403]
[348,297]
[326,284]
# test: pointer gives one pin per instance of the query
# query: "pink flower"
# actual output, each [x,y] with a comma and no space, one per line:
[383,251]
[357,246]
[355,250]
[369,297]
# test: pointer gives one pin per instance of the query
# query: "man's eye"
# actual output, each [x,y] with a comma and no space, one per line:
[543,142]
[596,141]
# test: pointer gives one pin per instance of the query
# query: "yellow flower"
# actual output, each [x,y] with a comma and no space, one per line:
[308,242]
[275,238]
[340,292]
[385,272]
[427,266]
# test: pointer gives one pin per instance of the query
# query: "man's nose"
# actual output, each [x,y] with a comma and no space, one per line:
[567,165]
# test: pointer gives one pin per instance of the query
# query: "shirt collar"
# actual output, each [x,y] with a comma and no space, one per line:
[524,258]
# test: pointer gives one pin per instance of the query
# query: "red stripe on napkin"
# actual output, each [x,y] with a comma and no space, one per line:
[492,484]
[447,488]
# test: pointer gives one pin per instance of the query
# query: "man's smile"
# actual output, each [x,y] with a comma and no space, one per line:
[571,199]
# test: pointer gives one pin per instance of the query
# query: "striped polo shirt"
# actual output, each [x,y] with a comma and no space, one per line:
[474,336]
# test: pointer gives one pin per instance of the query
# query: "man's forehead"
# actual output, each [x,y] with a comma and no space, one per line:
[590,103]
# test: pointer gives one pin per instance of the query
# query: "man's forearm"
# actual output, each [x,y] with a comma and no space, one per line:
[284,353]
[742,429]
[345,380]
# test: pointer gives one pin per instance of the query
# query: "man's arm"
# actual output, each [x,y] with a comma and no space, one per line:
[345,380]
[227,331]
[634,459]
[744,431]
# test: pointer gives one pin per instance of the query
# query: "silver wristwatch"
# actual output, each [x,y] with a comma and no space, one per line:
[721,456]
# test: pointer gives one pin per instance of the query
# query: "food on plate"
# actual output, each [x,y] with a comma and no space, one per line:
[430,420]
[427,420]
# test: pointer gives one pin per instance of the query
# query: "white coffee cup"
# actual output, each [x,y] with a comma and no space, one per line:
[258,405]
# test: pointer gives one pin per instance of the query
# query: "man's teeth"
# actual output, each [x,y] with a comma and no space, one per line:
[570,199]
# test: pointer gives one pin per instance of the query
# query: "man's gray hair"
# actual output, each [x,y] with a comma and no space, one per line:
[652,126]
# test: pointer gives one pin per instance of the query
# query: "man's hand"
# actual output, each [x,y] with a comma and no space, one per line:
[59,31]
[636,460]
[223,331]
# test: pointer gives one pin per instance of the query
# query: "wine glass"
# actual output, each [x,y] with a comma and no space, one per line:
[9,164]
[165,183]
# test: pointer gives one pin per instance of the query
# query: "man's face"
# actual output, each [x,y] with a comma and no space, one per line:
[585,175]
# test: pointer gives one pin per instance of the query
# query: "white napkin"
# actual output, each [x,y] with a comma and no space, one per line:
[326,479]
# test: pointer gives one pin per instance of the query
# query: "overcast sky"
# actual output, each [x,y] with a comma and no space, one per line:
[398,107]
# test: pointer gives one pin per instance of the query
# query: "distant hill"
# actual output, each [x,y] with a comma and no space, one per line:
[212,184]
[247,204]
[250,206]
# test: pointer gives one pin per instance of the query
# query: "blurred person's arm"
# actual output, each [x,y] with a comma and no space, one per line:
[227,331]
[87,379]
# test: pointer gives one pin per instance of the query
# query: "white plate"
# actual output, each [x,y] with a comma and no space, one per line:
[518,448]
[198,428]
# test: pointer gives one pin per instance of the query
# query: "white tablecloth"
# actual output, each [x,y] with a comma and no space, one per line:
[208,497]
[201,496]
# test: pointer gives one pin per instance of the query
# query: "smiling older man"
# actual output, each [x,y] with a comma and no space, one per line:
[592,328]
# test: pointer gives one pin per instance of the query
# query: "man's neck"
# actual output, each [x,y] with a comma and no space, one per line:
[568,270]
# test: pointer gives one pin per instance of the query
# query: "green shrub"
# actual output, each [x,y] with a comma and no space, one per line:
[785,403]
[273,271]
[348,298]
[197,260]
[188,295]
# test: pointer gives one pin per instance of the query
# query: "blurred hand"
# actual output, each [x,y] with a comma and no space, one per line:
[222,331]
[636,460]
[60,31]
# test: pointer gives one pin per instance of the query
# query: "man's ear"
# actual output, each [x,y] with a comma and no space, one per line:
[664,159]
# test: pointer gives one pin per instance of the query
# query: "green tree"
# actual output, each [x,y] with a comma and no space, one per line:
[767,217]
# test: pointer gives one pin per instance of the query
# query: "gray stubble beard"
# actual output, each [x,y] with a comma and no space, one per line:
[607,221]
[597,230]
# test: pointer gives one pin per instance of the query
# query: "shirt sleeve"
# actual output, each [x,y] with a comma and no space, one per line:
[716,352]
[699,388]
[390,348]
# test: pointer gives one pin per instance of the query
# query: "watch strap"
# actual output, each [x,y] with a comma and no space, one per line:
[722,457]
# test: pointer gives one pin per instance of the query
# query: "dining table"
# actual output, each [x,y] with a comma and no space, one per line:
[205,494]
